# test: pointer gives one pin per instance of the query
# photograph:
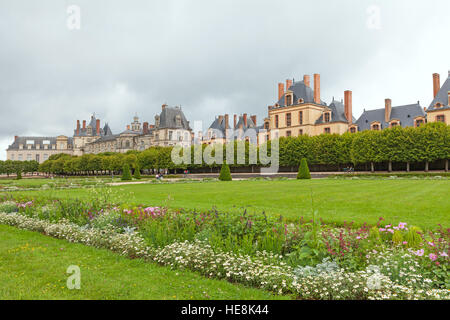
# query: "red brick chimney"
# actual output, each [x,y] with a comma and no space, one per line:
[78,127]
[307,80]
[253,119]
[280,90]
[84,124]
[387,109]
[145,128]
[152,126]
[220,119]
[288,84]
[245,119]
[234,126]
[317,88]
[98,127]
[448,93]
[227,119]
[348,105]
[15,138]
[436,84]
[128,127]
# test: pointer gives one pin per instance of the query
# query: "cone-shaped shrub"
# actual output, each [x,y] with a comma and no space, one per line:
[303,170]
[225,174]
[137,172]
[19,174]
[126,174]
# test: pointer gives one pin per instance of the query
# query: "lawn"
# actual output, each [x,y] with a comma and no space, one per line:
[34,267]
[421,202]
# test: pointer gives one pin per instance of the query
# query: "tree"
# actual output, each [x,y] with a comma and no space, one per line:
[225,174]
[303,170]
[137,172]
[126,174]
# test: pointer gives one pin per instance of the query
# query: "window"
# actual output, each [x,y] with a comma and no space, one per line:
[394,124]
[127,144]
[288,133]
[440,118]
[288,100]
[419,122]
[20,157]
[267,137]
[300,117]
[276,121]
[12,157]
[37,158]
[61,145]
[170,135]
[327,117]
[327,130]
[375,127]
[288,119]
[300,132]
[29,157]
[30,141]
[352,129]
[266,125]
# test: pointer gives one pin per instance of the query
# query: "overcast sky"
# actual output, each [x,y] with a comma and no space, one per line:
[211,57]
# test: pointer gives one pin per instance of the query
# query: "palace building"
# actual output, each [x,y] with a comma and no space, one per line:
[170,128]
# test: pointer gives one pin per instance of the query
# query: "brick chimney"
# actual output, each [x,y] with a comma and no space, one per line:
[253,119]
[98,127]
[128,127]
[145,128]
[227,119]
[317,88]
[387,109]
[84,124]
[234,126]
[78,127]
[436,84]
[152,126]
[348,105]
[245,119]
[280,90]
[15,138]
[288,84]
[163,106]
[220,119]
[448,93]
[307,80]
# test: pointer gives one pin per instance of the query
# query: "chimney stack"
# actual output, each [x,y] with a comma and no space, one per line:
[317,88]
[253,119]
[280,90]
[15,138]
[78,127]
[436,84]
[227,118]
[348,106]
[84,124]
[163,106]
[128,127]
[152,126]
[387,110]
[288,84]
[98,127]
[307,80]
[234,126]
[220,119]
[245,120]
[145,128]
[448,93]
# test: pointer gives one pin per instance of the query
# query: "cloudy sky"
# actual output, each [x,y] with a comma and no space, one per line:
[209,56]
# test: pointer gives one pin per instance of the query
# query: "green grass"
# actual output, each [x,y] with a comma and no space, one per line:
[420,202]
[33,266]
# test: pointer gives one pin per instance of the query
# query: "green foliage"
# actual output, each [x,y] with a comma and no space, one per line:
[413,237]
[225,174]
[303,170]
[137,172]
[126,174]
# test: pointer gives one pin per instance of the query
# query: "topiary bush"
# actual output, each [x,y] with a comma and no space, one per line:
[303,170]
[19,174]
[126,174]
[137,172]
[225,174]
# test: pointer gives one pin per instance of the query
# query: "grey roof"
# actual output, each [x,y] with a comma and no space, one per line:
[337,113]
[442,96]
[93,124]
[219,125]
[111,137]
[405,114]
[37,141]
[107,130]
[167,118]
[301,91]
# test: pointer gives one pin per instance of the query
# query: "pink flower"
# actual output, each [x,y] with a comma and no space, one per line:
[443,254]
[405,242]
[431,244]
[432,256]
[419,252]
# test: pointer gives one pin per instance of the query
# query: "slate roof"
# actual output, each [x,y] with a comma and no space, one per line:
[405,114]
[93,124]
[219,125]
[442,96]
[337,113]
[37,141]
[167,119]
[301,91]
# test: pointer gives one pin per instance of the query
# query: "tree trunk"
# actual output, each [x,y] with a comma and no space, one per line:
[426,166]
[446,165]
[372,167]
[390,166]
[407,166]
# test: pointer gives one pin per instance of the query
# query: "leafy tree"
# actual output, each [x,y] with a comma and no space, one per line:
[225,174]
[126,174]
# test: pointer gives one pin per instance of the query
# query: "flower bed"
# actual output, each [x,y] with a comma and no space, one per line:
[306,258]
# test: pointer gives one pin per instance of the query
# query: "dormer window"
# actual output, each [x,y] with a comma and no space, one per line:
[327,116]
[156,121]
[438,105]
[352,129]
[178,120]
[419,121]
[300,101]
[394,123]
[288,99]
[375,126]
